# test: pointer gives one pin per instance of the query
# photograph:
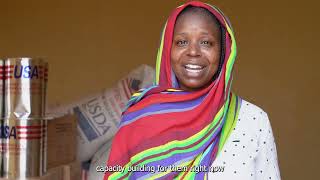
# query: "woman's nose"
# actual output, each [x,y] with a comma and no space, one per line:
[194,49]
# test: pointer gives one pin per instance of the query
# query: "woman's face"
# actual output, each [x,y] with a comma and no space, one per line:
[195,52]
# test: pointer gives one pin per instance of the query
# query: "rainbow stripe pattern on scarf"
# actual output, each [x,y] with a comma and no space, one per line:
[167,128]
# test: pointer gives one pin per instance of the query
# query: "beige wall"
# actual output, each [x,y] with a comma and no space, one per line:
[91,44]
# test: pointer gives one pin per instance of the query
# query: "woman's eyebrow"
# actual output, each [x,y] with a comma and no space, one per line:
[206,33]
[202,33]
[180,33]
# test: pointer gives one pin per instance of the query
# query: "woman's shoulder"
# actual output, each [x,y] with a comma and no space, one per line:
[253,126]
[253,117]
[248,107]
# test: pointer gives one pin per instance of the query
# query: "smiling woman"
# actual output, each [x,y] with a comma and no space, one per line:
[190,118]
[196,48]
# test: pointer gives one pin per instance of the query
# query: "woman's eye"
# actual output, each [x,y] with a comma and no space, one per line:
[182,42]
[205,43]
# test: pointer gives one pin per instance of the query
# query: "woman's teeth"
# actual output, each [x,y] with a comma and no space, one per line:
[193,68]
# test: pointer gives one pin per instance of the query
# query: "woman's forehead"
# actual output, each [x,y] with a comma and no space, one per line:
[193,11]
[195,20]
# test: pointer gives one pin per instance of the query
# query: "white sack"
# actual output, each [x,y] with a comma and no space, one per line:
[99,159]
[98,115]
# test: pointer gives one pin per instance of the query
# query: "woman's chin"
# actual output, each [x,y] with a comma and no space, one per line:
[191,86]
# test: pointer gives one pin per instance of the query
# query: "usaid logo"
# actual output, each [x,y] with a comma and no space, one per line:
[21,71]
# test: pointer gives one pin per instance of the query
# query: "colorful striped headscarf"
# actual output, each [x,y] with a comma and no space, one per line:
[164,126]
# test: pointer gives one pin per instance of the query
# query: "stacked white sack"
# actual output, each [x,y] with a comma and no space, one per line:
[99,115]
[99,160]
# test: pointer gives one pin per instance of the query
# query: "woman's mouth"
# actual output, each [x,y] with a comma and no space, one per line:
[193,70]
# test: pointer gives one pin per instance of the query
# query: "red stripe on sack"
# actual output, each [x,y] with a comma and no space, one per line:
[84,175]
[129,81]
[125,88]
[115,109]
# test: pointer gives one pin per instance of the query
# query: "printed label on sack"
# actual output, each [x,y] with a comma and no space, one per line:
[92,119]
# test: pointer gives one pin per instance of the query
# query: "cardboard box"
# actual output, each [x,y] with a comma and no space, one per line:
[52,174]
[62,141]
[72,171]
